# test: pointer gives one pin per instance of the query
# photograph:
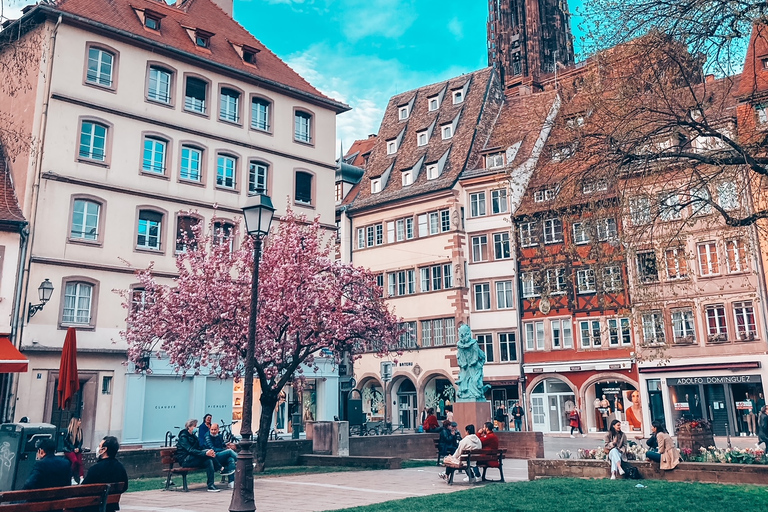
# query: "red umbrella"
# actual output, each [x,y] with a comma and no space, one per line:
[69,382]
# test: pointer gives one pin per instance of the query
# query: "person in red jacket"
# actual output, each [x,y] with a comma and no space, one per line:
[431,424]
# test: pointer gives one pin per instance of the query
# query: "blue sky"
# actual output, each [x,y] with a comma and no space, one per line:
[363,52]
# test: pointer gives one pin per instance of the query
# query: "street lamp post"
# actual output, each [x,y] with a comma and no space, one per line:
[258,214]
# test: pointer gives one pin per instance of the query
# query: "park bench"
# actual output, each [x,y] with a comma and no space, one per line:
[90,497]
[482,459]
[168,459]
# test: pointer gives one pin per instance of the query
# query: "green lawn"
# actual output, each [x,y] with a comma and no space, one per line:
[567,495]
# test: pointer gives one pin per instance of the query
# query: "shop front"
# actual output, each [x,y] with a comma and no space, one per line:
[551,402]
[504,393]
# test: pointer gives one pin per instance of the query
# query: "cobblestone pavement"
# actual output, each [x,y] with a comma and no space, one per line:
[316,492]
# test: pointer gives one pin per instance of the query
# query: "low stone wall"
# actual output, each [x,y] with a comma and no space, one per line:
[684,472]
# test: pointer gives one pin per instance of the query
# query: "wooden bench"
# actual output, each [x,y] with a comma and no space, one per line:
[482,459]
[90,497]
[168,458]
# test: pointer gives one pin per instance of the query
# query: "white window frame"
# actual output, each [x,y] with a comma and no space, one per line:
[553,230]
[302,126]
[407,178]
[159,86]
[433,172]
[505,297]
[147,226]
[727,195]
[562,334]
[96,141]
[392,147]
[81,303]
[669,206]
[640,210]
[580,233]
[530,287]
[619,332]
[545,194]
[709,261]
[229,105]
[226,174]
[375,186]
[477,206]
[260,114]
[153,156]
[585,280]
[612,278]
[528,236]
[507,340]
[482,295]
[556,276]
[683,325]
[494,160]
[87,228]
[403,112]
[422,138]
[743,312]
[736,255]
[502,249]
[499,201]
[446,131]
[192,170]
[590,333]
[653,328]
[433,103]
[100,70]
[607,229]
[458,96]
[676,255]
[480,248]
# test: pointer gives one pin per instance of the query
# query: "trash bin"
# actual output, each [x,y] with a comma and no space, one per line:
[296,424]
[18,452]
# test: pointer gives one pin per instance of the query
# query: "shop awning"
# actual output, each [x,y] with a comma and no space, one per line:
[11,360]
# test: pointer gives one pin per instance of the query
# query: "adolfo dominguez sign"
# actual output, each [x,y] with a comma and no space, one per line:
[725,379]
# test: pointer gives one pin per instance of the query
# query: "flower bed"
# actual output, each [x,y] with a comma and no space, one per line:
[725,455]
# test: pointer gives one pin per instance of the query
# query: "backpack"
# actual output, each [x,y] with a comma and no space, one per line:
[631,472]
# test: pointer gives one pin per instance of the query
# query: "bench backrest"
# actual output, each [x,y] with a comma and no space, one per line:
[476,455]
[167,455]
[55,498]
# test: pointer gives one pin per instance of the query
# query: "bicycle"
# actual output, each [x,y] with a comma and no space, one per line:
[226,432]
[388,430]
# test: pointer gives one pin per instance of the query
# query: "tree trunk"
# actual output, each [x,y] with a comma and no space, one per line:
[268,401]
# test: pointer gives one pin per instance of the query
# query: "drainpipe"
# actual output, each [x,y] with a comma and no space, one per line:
[9,404]
[23,282]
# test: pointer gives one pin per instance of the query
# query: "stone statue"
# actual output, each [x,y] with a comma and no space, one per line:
[471,359]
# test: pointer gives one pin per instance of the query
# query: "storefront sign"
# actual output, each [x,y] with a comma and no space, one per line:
[681,406]
[575,368]
[747,406]
[406,364]
[725,379]
[504,383]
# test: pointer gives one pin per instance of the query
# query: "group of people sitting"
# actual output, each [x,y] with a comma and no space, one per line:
[206,449]
[451,445]
[661,448]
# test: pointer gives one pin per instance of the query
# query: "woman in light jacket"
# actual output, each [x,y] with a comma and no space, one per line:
[616,446]
[667,455]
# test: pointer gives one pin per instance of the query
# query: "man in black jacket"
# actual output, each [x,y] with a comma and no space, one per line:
[190,454]
[108,470]
[49,470]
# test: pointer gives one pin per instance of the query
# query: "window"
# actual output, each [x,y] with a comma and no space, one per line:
[585,280]
[736,255]
[151,22]
[379,229]
[190,164]
[504,296]
[422,138]
[433,172]
[499,201]
[154,156]
[682,326]
[612,281]
[762,113]
[553,230]
[77,303]
[507,347]
[477,204]
[93,141]
[403,112]
[580,233]
[302,126]
[159,84]
[360,238]
[434,103]
[370,235]
[653,328]
[534,335]
[606,229]
[485,343]
[85,220]
[727,197]
[590,333]
[438,332]
[257,177]
[669,206]
[434,222]
[99,67]
[202,40]
[555,280]
[408,335]
[150,229]
[744,313]
[530,284]
[528,236]
[640,210]
[195,93]
[446,131]
[229,110]
[404,230]
[590,186]
[458,96]
[561,334]
[701,201]
[545,194]
[376,186]
[708,264]
[619,332]
[646,267]
[391,147]
[494,160]
[716,326]
[479,248]
[260,114]
[402,283]
[426,333]
[303,192]
[677,265]
[224,234]
[225,171]
[501,246]
[185,233]
[407,178]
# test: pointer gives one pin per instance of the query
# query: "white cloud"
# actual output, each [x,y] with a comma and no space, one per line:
[387,18]
[456,28]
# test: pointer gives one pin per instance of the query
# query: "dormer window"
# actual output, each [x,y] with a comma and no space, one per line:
[391,147]
[447,131]
[422,138]
[494,160]
[458,96]
[434,103]
[589,186]
[432,172]
[203,41]
[407,178]
[765,63]
[151,21]
[376,186]
[249,57]
[403,112]
[545,194]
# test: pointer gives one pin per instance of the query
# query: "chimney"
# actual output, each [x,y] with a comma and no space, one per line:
[226,6]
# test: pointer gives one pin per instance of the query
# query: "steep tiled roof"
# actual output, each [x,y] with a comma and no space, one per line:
[201,15]
[480,98]
[10,213]
[359,151]
[755,75]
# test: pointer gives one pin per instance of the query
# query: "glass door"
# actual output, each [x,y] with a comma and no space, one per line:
[539,413]
[406,406]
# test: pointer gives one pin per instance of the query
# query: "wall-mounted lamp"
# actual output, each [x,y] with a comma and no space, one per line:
[44,292]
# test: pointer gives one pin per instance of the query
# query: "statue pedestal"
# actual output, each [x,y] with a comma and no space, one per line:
[471,413]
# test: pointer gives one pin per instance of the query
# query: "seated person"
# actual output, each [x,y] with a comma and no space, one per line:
[468,443]
[430,423]
[447,441]
[489,441]
[225,452]
[667,455]
[49,470]
[616,448]
[108,469]
[189,454]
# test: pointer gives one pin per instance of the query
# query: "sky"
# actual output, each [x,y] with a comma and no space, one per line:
[362,52]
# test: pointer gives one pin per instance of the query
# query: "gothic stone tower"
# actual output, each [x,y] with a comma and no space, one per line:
[526,40]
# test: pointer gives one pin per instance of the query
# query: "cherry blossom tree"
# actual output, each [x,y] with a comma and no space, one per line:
[307,303]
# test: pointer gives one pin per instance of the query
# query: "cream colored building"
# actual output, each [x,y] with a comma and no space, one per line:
[146,118]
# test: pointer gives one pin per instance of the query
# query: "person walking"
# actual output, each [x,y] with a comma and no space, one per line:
[574,420]
[616,447]
[666,454]
[517,416]
[73,448]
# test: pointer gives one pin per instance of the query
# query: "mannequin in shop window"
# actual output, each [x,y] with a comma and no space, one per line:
[749,415]
[598,416]
[605,410]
